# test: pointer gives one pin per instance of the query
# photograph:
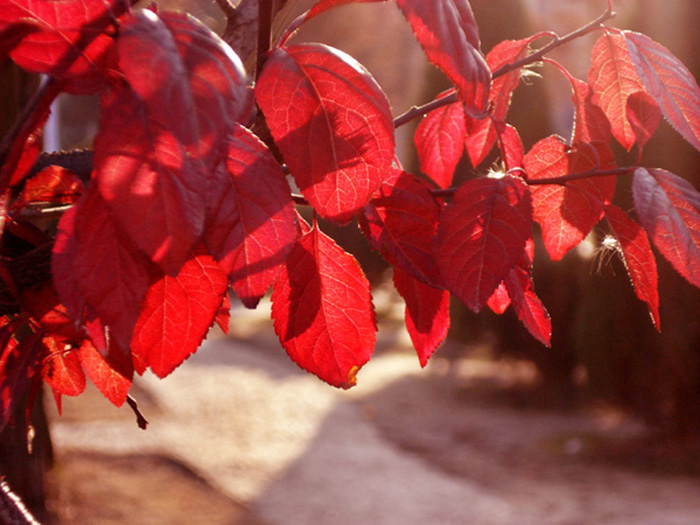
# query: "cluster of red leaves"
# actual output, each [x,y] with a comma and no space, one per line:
[186,201]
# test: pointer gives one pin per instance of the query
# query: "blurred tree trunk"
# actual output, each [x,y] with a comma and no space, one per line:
[23,471]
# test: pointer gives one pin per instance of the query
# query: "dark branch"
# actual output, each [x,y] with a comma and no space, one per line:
[141,421]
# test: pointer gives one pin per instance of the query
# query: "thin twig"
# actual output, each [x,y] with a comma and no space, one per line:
[141,421]
[581,175]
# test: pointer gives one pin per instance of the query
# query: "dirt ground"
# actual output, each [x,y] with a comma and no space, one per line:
[239,435]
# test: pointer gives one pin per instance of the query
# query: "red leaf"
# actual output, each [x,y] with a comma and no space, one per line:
[160,141]
[511,146]
[481,235]
[322,310]
[528,306]
[669,82]
[12,34]
[18,362]
[613,78]
[52,184]
[323,5]
[400,223]
[590,122]
[668,208]
[644,115]
[427,314]
[638,258]
[332,123]
[482,133]
[110,273]
[73,40]
[62,370]
[447,31]
[499,300]
[223,315]
[439,140]
[567,212]
[53,317]
[253,229]
[111,374]
[176,314]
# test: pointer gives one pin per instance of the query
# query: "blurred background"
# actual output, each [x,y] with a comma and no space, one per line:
[601,428]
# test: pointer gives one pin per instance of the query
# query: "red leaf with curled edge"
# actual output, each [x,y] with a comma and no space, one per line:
[644,115]
[481,235]
[439,140]
[111,374]
[110,274]
[322,310]
[590,122]
[253,229]
[18,363]
[427,313]
[447,31]
[400,222]
[323,5]
[72,43]
[567,212]
[668,208]
[332,123]
[160,141]
[62,370]
[638,258]
[669,82]
[53,184]
[482,134]
[613,78]
[527,306]
[176,314]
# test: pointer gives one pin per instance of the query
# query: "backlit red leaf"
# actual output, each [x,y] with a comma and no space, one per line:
[447,31]
[322,310]
[499,300]
[638,258]
[176,314]
[12,34]
[511,146]
[439,140]
[669,82]
[18,363]
[111,374]
[332,123]
[62,370]
[613,78]
[400,223]
[427,313]
[668,208]
[52,184]
[590,122]
[323,5]
[481,235]
[527,306]
[567,212]
[644,115]
[253,228]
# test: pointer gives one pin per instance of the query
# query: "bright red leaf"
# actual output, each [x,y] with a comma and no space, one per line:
[481,235]
[111,374]
[322,310]
[52,184]
[439,140]
[12,34]
[567,212]
[644,115]
[638,258]
[427,313]
[332,123]
[668,208]
[253,228]
[511,146]
[62,370]
[669,82]
[400,223]
[613,78]
[447,31]
[176,314]
[323,5]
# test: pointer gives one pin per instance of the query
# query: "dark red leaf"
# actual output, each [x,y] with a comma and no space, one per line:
[668,208]
[447,31]
[669,82]
[253,228]
[528,306]
[613,78]
[332,123]
[44,306]
[481,235]
[111,374]
[644,115]
[400,223]
[439,140]
[567,212]
[638,258]
[62,370]
[322,310]
[427,314]
[18,362]
[176,314]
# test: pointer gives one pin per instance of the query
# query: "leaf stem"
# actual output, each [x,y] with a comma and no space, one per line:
[418,111]
[581,175]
